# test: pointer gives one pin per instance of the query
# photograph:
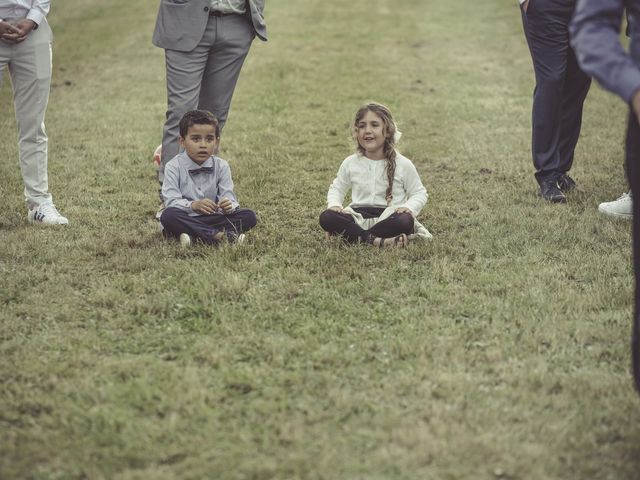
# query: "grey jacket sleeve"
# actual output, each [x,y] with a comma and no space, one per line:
[595,36]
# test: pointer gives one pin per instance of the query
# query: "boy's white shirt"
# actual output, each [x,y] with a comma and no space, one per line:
[367,180]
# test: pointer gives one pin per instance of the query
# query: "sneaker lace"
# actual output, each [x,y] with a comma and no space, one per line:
[49,210]
[624,196]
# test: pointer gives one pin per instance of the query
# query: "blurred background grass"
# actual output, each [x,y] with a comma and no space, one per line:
[499,350]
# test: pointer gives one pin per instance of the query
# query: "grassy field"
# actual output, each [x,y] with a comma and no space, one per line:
[498,351]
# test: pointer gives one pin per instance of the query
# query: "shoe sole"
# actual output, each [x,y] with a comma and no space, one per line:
[562,199]
[38,222]
[625,216]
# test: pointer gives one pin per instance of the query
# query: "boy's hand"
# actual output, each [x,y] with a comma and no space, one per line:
[336,209]
[226,206]
[205,206]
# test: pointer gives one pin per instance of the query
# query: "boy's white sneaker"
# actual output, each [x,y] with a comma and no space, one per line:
[47,214]
[621,208]
[185,240]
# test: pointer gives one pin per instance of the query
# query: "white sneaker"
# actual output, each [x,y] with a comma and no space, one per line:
[621,208]
[47,214]
[185,240]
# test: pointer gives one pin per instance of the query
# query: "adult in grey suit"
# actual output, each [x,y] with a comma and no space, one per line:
[595,32]
[205,43]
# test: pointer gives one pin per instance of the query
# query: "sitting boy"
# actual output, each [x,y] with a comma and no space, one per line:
[198,191]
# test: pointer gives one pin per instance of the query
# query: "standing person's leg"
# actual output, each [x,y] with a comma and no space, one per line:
[576,88]
[185,71]
[30,70]
[633,174]
[548,39]
[234,35]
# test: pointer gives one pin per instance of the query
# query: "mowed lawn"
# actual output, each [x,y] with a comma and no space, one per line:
[498,351]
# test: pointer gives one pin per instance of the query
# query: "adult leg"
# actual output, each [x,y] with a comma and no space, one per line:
[633,174]
[30,70]
[337,223]
[394,225]
[184,80]
[546,29]
[575,91]
[233,37]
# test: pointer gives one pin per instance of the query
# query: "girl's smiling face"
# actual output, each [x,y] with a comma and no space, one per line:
[371,133]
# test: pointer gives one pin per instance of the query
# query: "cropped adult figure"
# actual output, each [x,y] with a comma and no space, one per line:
[561,87]
[25,50]
[205,43]
[595,35]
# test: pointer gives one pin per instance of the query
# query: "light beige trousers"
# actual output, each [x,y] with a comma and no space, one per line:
[29,64]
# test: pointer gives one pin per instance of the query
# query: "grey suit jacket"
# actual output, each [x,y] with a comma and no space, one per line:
[595,36]
[181,23]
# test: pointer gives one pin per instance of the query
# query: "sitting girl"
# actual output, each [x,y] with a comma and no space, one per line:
[387,194]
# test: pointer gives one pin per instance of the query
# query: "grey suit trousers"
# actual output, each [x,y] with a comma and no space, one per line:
[29,64]
[205,77]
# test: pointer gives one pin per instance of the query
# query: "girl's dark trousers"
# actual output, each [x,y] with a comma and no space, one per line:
[344,224]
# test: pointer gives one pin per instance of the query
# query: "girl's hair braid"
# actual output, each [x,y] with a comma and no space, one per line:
[389,140]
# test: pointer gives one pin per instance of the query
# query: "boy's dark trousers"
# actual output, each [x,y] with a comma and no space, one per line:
[337,223]
[561,86]
[204,227]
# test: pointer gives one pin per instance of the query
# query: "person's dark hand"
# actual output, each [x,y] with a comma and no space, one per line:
[7,28]
[20,31]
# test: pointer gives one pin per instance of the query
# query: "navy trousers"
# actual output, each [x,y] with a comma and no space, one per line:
[561,86]
[204,227]
[632,162]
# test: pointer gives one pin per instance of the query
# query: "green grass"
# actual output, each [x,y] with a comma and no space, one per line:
[498,351]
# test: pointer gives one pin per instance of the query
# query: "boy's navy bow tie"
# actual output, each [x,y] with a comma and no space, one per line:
[197,171]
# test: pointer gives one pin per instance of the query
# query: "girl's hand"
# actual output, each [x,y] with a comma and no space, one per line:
[205,206]
[225,205]
[403,210]
[336,209]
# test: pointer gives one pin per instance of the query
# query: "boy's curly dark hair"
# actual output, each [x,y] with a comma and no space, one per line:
[198,117]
